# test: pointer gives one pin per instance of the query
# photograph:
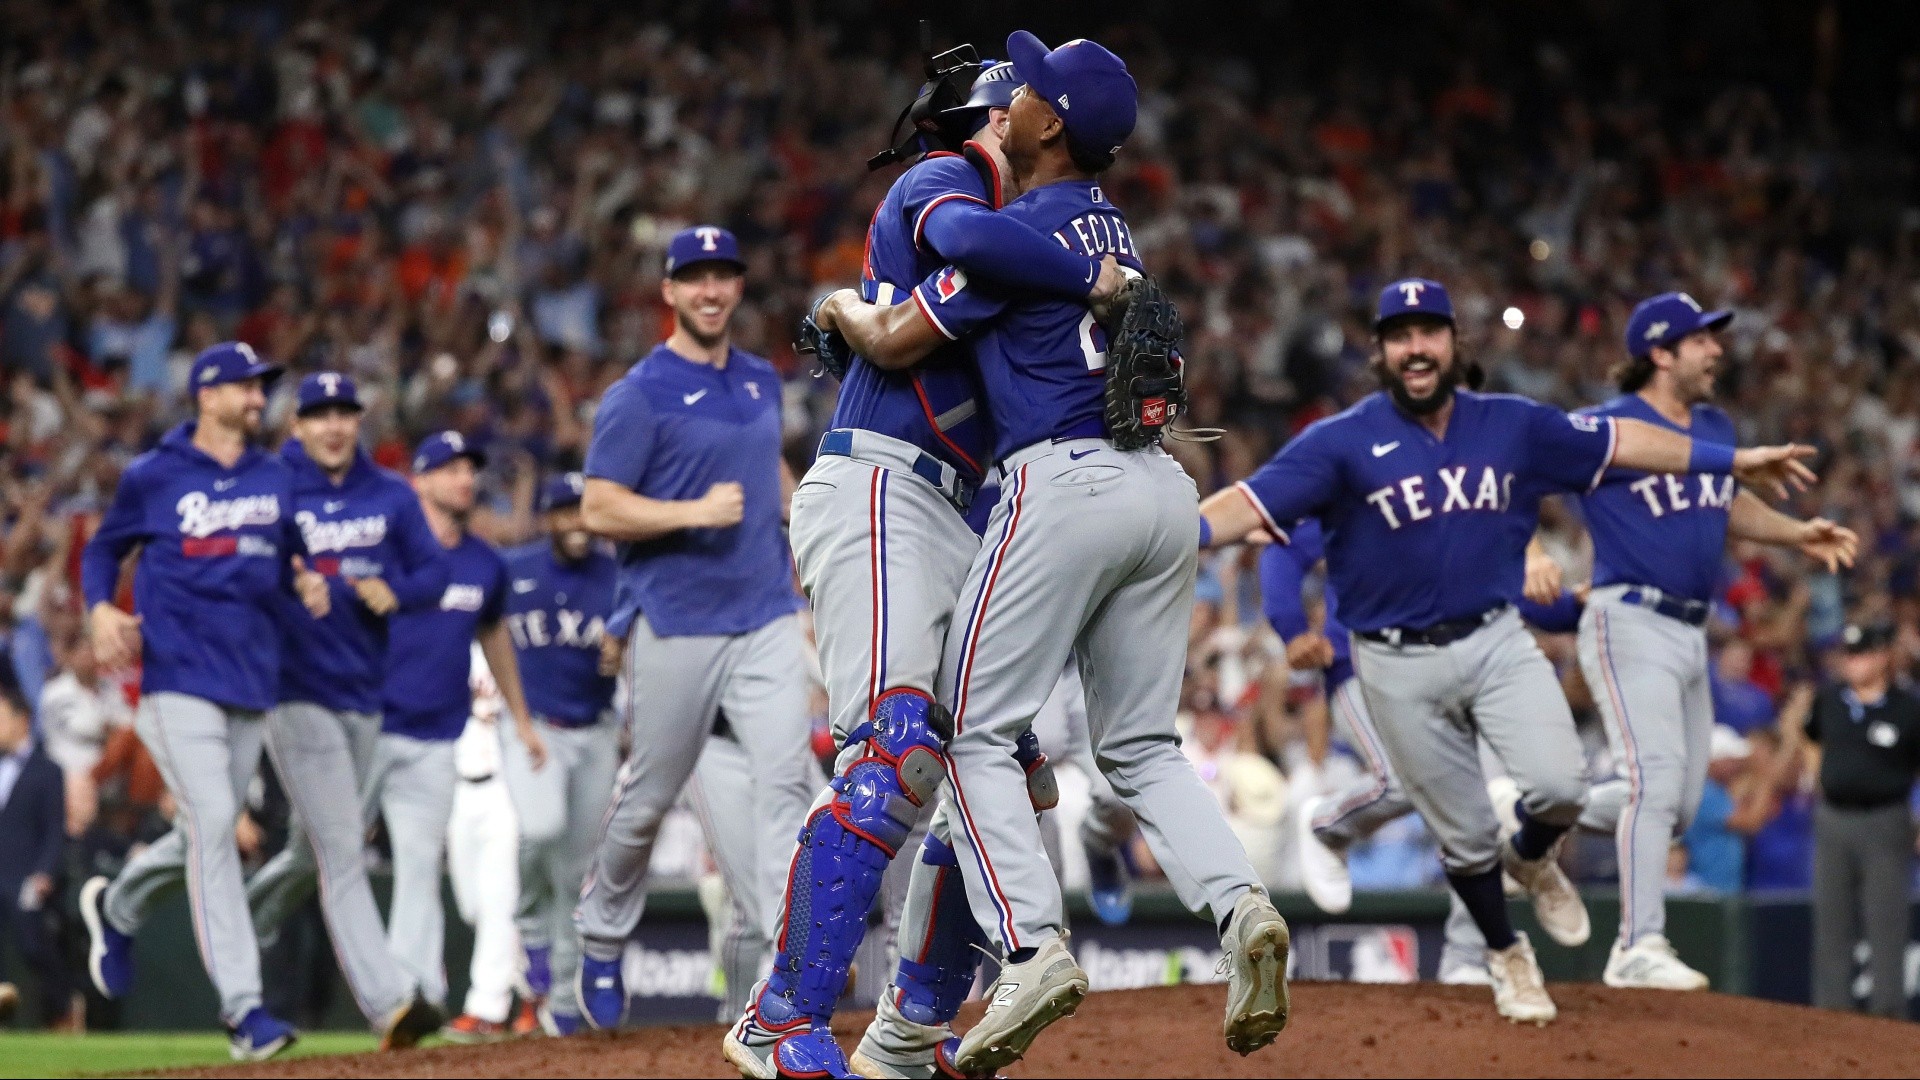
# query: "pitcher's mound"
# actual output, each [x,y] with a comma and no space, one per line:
[1338,1029]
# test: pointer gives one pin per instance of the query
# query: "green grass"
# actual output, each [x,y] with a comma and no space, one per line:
[112,1053]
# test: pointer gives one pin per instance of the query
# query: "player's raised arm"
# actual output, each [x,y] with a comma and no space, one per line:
[1750,518]
[1643,446]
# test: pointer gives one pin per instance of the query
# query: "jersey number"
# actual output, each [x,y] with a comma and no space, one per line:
[1095,350]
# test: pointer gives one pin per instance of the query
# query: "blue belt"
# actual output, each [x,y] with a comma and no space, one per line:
[839,443]
[1691,612]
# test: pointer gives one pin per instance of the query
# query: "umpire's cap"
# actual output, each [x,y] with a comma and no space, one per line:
[443,446]
[561,491]
[1661,321]
[1088,87]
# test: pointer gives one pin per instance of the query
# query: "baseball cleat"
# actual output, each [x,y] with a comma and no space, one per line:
[559,1025]
[808,1052]
[1256,943]
[1556,903]
[537,970]
[1022,1002]
[526,1020]
[1465,975]
[1519,990]
[938,1064]
[468,1029]
[259,1035]
[410,1023]
[110,952]
[602,993]
[1323,871]
[1651,964]
[1109,886]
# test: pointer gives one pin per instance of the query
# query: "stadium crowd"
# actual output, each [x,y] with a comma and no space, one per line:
[466,213]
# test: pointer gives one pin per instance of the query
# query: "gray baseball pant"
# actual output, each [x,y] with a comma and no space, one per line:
[207,753]
[278,889]
[1428,703]
[1061,727]
[1862,869]
[726,821]
[1649,676]
[313,751]
[1091,552]
[759,680]
[559,808]
[412,783]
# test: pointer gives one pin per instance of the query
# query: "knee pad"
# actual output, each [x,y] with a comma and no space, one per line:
[908,732]
[929,988]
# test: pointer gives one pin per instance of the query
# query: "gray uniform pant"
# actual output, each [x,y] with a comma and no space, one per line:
[321,756]
[559,808]
[207,754]
[412,784]
[678,688]
[1862,869]
[1428,703]
[284,883]
[743,943]
[1649,677]
[1061,727]
[1092,553]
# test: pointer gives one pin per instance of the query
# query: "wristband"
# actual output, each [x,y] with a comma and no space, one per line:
[1206,533]
[1706,457]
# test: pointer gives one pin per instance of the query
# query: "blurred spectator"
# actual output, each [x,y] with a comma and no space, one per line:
[1715,844]
[1737,702]
[33,835]
[79,709]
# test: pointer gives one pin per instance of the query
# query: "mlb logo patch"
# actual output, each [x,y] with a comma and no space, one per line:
[1153,412]
[948,283]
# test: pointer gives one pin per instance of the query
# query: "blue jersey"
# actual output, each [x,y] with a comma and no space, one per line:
[1283,567]
[940,211]
[1042,359]
[670,429]
[1666,531]
[428,692]
[215,548]
[1422,530]
[557,612]
[370,525]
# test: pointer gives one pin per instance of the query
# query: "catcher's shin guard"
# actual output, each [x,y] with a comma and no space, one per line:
[844,850]
[929,988]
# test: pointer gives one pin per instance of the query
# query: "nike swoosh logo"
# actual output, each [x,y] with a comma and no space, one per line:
[1383,449]
[525,585]
[1078,454]
[222,485]
[688,399]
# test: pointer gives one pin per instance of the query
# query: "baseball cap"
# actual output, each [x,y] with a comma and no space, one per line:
[230,361]
[702,243]
[1088,87]
[1413,296]
[562,490]
[1664,319]
[1866,637]
[443,446]
[327,388]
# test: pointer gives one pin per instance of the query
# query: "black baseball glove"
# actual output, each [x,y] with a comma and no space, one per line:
[827,346]
[1144,386]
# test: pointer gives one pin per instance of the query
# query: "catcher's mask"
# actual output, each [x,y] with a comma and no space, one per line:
[940,112]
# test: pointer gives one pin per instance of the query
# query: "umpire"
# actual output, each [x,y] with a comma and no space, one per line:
[1868,731]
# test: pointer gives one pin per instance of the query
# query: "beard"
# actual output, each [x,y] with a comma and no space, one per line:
[1447,381]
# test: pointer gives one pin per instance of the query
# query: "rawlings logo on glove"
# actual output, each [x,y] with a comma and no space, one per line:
[1145,390]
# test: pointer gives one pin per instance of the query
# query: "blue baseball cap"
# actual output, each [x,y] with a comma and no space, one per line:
[443,446]
[702,243]
[327,388]
[562,490]
[1413,296]
[1665,319]
[1087,86]
[230,361]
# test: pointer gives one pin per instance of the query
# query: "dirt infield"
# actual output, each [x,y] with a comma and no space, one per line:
[1339,1029]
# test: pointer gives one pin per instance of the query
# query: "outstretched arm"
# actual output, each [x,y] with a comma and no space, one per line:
[1819,539]
[1649,448]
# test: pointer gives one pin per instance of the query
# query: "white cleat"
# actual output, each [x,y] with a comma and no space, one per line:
[1323,871]
[1505,794]
[1257,943]
[1022,1002]
[1651,964]
[1519,990]
[1556,903]
[1465,975]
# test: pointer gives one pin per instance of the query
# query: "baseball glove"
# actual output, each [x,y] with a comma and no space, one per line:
[1145,390]
[827,346]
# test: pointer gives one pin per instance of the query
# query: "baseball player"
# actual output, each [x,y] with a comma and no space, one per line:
[365,533]
[212,516]
[483,866]
[426,698]
[882,543]
[684,471]
[1658,543]
[1429,494]
[557,610]
[1091,552]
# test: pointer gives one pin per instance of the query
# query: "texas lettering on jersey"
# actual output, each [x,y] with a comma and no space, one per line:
[463,598]
[201,516]
[1412,500]
[1667,493]
[530,629]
